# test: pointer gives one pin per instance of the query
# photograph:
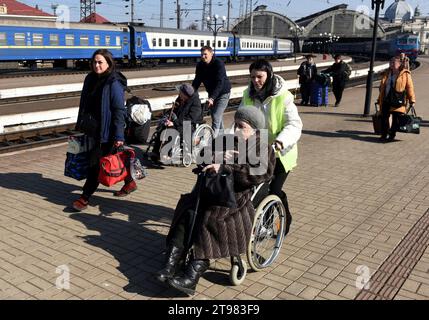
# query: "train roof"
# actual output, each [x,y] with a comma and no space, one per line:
[178,31]
[53,24]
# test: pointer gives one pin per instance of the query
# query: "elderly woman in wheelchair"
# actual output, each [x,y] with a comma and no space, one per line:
[208,226]
[186,111]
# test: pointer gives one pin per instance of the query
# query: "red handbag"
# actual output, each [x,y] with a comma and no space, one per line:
[114,168]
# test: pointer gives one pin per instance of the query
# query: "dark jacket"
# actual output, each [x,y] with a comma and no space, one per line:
[222,232]
[190,111]
[340,72]
[213,76]
[307,72]
[113,112]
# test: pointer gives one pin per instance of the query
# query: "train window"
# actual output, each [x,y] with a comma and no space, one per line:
[160,42]
[224,44]
[3,41]
[153,42]
[412,40]
[118,40]
[189,43]
[19,39]
[37,39]
[202,43]
[96,40]
[182,43]
[196,43]
[54,40]
[174,42]
[219,43]
[107,40]
[84,40]
[402,41]
[167,42]
[139,41]
[69,39]
[125,41]
[208,42]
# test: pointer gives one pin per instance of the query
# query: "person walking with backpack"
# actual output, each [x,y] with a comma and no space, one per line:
[340,72]
[102,117]
[212,73]
[307,72]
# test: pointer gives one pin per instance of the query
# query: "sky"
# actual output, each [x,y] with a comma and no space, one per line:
[149,10]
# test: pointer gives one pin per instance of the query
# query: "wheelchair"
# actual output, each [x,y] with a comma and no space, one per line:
[181,152]
[266,238]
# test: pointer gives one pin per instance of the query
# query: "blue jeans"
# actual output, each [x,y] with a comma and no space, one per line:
[217,110]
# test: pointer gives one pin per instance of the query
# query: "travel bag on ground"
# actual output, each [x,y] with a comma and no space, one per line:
[377,120]
[319,94]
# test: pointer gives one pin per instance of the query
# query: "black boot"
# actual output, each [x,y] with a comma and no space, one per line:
[283,198]
[188,282]
[174,262]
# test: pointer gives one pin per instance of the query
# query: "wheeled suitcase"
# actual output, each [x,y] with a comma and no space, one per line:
[319,94]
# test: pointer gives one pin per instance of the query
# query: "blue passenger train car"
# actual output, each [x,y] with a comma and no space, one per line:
[41,40]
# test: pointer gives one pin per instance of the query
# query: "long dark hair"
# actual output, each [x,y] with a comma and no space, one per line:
[263,65]
[109,58]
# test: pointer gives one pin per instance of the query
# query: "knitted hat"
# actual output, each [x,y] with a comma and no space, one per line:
[187,89]
[251,115]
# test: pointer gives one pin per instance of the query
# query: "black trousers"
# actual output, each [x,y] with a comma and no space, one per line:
[338,89]
[305,90]
[276,185]
[385,126]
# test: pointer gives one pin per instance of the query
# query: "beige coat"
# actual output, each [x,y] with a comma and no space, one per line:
[403,82]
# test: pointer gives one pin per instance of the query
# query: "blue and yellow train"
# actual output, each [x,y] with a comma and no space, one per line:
[32,41]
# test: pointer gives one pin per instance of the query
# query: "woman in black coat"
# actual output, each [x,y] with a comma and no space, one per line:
[220,231]
[102,117]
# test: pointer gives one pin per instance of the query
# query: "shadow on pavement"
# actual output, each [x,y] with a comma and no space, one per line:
[132,242]
[355,135]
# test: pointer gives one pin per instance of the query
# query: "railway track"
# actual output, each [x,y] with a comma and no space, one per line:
[23,140]
[163,87]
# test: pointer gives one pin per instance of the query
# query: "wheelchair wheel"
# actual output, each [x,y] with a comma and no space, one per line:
[201,138]
[267,233]
[237,274]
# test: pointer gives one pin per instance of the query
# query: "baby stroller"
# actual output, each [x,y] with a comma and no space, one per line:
[267,232]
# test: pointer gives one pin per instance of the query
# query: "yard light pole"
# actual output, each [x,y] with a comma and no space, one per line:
[296,43]
[215,26]
[370,78]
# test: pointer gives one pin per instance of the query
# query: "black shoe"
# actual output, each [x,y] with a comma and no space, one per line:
[174,262]
[382,139]
[188,282]
[391,137]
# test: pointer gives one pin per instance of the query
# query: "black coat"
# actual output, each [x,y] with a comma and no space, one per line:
[222,232]
[214,78]
[191,110]
[307,72]
[340,72]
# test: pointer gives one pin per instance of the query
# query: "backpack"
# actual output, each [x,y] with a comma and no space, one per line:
[139,114]
[347,72]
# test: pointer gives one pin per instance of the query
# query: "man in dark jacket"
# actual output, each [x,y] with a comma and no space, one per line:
[187,107]
[306,72]
[340,72]
[211,72]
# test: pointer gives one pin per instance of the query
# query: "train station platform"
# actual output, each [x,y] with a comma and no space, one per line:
[360,212]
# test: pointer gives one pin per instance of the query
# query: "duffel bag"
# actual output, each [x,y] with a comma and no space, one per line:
[409,123]
[114,167]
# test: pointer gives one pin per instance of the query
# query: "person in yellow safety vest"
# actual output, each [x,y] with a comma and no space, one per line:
[268,92]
